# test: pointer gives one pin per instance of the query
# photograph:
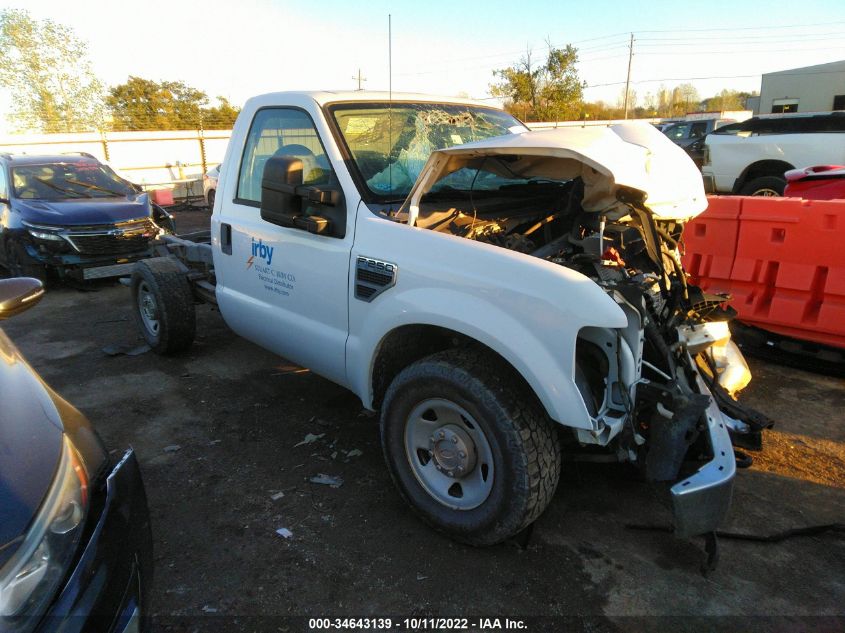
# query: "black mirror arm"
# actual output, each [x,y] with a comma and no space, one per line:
[312,223]
[316,195]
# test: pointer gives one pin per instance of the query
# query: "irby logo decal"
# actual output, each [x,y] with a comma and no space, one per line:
[262,251]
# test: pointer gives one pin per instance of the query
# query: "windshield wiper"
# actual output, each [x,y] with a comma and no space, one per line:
[89,185]
[76,194]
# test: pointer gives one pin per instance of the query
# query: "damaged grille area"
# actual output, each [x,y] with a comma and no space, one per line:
[113,239]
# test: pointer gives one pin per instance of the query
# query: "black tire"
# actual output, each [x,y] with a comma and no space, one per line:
[20,264]
[764,186]
[211,195]
[163,305]
[523,443]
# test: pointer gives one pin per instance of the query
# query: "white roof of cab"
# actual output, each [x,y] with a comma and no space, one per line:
[322,97]
[633,154]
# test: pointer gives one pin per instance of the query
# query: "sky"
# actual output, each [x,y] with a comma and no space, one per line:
[240,48]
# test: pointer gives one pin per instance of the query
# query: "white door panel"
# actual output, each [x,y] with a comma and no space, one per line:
[283,288]
[288,281]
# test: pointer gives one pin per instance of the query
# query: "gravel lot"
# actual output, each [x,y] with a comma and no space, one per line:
[238,415]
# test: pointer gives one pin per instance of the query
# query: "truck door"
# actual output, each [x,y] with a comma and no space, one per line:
[283,287]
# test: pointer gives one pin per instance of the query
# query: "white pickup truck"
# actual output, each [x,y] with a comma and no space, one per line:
[494,292]
[751,157]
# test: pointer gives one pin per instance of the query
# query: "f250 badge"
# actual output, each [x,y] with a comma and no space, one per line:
[372,277]
[377,266]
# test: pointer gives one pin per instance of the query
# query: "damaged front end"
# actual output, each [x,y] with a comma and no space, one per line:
[610,203]
[654,388]
[650,387]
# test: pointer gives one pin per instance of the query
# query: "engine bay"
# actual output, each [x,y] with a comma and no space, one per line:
[639,384]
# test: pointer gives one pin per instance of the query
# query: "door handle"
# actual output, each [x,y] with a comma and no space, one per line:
[226,238]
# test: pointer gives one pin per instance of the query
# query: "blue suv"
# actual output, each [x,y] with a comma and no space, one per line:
[75,215]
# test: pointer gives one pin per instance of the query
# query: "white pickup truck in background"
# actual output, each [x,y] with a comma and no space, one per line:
[493,292]
[751,157]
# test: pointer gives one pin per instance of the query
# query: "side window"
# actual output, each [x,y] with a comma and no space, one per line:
[679,131]
[4,183]
[780,106]
[698,129]
[281,132]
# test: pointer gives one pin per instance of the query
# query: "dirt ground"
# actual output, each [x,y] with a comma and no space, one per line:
[239,415]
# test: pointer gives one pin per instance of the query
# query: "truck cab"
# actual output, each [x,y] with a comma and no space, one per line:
[492,291]
[685,133]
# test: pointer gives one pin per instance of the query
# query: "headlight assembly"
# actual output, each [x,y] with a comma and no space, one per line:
[29,580]
[42,235]
[43,232]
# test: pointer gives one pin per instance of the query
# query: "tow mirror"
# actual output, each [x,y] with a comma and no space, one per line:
[285,201]
[18,295]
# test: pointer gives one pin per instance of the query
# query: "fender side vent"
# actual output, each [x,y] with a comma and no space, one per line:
[364,292]
[372,277]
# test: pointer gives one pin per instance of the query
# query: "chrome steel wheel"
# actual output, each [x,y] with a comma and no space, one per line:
[148,309]
[449,454]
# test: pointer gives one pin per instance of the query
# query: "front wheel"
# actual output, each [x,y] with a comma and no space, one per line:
[769,186]
[163,305]
[468,446]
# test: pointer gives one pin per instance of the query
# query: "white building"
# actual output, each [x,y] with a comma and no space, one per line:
[810,89]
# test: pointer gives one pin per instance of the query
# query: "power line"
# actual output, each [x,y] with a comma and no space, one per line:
[696,39]
[742,45]
[435,65]
[450,61]
[742,28]
[598,59]
[746,52]
[647,81]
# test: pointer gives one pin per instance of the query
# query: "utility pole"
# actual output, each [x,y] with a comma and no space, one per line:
[628,79]
[360,79]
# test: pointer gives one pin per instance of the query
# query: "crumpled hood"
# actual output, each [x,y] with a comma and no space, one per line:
[84,212]
[30,446]
[634,155]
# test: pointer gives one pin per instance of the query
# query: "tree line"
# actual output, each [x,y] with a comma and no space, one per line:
[45,68]
[551,90]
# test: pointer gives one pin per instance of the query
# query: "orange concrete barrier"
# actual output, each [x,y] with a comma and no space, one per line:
[710,244]
[788,269]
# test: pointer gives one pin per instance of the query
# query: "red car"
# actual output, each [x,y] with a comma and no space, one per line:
[822,182]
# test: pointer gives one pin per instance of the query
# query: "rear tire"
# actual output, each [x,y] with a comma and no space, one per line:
[163,305]
[20,264]
[770,186]
[469,447]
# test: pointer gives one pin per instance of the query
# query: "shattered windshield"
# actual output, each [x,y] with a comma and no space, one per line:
[484,175]
[390,144]
[67,181]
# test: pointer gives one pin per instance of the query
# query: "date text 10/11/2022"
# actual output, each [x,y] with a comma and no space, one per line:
[417,624]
